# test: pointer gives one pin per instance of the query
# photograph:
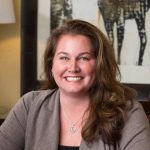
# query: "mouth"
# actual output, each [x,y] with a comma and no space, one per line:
[73,78]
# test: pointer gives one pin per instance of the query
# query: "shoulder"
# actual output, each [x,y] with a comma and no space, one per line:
[24,104]
[136,131]
[136,117]
[22,118]
[136,113]
[40,93]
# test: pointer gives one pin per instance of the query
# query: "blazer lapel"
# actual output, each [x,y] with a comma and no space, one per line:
[43,123]
[54,122]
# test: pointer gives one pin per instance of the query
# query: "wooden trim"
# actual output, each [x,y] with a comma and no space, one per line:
[28,45]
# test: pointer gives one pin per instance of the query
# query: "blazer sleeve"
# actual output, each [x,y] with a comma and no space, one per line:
[136,133]
[12,131]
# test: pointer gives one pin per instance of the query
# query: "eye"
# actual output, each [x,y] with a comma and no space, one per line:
[64,58]
[84,58]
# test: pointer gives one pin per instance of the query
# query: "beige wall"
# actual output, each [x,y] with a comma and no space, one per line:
[10,63]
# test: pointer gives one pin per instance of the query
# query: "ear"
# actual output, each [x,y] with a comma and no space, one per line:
[52,72]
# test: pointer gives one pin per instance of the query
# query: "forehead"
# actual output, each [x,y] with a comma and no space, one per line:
[71,42]
[72,36]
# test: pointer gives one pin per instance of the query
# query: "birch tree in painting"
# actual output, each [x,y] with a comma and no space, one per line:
[61,10]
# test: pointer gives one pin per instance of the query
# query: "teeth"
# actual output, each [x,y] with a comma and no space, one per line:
[73,78]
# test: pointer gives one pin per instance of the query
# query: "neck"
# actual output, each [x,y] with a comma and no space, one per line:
[75,101]
[73,115]
[75,106]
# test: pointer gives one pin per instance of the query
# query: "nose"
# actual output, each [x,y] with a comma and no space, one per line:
[73,67]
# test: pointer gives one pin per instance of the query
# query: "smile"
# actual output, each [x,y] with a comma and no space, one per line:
[73,78]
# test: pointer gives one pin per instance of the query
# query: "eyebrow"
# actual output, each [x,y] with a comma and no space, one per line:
[62,53]
[83,53]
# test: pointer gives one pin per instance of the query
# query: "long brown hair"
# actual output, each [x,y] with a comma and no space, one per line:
[109,98]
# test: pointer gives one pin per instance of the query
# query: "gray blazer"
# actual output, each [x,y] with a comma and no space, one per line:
[33,124]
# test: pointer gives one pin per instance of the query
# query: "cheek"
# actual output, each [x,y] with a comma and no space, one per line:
[91,73]
[90,69]
[58,69]
[54,68]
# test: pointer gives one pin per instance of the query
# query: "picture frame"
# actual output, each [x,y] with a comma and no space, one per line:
[29,42]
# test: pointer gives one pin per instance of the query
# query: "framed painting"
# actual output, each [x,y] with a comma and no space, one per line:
[125,23]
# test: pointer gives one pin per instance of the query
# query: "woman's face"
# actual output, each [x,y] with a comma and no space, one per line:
[74,64]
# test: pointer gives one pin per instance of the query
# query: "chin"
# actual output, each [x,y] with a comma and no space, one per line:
[75,91]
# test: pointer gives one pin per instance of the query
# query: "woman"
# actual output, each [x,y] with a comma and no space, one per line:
[82,105]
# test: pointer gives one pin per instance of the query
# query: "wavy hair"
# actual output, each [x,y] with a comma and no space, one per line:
[109,98]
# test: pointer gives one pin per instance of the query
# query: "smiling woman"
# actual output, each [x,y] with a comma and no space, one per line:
[82,104]
[74,63]
[31,30]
